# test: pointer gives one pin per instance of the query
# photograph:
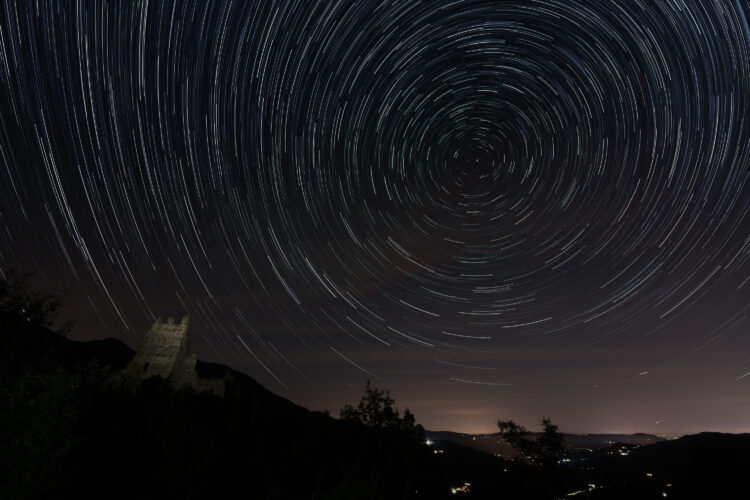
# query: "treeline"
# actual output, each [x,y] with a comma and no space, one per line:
[68,431]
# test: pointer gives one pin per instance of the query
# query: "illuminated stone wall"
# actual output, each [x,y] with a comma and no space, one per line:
[163,352]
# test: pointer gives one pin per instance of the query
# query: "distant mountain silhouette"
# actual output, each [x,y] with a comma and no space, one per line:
[494,444]
[75,434]
[705,465]
[67,432]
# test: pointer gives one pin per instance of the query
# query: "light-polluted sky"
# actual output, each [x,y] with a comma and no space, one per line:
[507,209]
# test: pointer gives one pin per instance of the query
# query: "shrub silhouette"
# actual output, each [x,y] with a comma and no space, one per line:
[545,450]
[376,409]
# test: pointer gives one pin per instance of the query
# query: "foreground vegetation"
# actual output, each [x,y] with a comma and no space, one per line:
[68,431]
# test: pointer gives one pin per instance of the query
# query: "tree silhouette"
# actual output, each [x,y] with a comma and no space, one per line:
[376,409]
[22,307]
[551,443]
[545,450]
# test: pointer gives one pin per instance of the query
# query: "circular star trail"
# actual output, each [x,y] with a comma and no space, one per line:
[410,177]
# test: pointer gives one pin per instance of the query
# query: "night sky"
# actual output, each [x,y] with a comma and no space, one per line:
[502,209]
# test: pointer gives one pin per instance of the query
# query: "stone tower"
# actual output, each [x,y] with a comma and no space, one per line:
[164,352]
[163,349]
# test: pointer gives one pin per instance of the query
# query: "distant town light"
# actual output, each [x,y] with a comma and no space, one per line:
[461,489]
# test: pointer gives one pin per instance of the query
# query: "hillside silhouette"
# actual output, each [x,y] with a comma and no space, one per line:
[73,433]
[70,431]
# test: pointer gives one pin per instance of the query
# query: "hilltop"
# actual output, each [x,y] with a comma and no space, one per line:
[71,432]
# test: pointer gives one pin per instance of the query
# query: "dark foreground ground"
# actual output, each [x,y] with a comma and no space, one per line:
[67,432]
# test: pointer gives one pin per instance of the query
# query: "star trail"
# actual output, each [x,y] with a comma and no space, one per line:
[494,209]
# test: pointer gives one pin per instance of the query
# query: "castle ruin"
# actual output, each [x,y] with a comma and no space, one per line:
[164,352]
